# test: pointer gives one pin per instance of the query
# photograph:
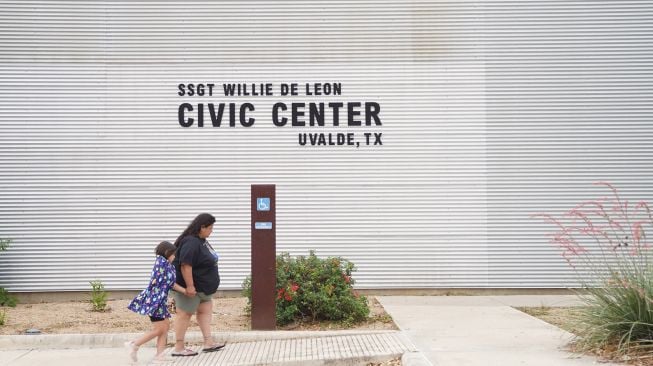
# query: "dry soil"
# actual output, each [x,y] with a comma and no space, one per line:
[77,317]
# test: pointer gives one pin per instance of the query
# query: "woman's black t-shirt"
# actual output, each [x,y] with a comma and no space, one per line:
[195,251]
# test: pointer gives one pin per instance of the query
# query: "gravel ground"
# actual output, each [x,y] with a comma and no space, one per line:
[393,362]
[77,317]
[228,314]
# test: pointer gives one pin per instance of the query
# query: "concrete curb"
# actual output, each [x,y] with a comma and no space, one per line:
[348,361]
[118,339]
[413,357]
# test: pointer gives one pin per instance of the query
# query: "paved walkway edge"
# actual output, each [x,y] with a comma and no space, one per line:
[351,361]
[118,339]
[412,357]
[340,350]
[415,359]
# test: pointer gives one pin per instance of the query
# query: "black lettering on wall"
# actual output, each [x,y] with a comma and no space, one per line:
[180,114]
[336,114]
[315,114]
[232,114]
[200,115]
[216,120]
[243,110]
[275,114]
[296,113]
[372,110]
[353,112]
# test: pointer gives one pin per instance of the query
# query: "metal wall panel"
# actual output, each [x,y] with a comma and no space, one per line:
[492,110]
[569,98]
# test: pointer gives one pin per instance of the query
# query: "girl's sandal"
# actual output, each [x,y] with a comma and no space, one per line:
[132,349]
[158,360]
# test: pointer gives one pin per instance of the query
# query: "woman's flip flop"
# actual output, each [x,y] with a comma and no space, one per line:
[214,348]
[185,353]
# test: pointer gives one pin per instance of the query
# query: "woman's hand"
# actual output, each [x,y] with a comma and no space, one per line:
[190,291]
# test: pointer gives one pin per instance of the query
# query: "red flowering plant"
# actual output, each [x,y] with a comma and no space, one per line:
[313,289]
[606,244]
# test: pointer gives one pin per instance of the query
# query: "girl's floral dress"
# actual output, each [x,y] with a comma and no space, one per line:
[153,301]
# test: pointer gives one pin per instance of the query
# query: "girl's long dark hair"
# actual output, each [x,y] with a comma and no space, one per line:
[202,220]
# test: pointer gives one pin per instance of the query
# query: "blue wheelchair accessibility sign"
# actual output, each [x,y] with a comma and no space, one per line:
[263,204]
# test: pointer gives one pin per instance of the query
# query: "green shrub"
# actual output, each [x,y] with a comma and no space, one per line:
[6,299]
[3,317]
[98,296]
[620,315]
[605,242]
[316,289]
[4,244]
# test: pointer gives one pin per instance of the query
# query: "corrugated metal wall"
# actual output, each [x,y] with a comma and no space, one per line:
[491,110]
[569,101]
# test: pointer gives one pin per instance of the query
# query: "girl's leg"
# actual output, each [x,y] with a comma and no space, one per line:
[182,321]
[204,315]
[156,331]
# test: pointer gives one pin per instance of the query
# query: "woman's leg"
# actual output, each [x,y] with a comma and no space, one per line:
[204,316]
[182,321]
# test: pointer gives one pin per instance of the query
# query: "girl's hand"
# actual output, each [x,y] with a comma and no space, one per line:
[179,289]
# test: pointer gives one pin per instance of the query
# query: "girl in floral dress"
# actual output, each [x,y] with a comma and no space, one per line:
[153,301]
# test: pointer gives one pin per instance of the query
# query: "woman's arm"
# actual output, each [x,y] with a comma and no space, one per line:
[187,273]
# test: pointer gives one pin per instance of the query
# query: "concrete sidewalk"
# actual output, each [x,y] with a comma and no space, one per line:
[435,330]
[243,349]
[484,330]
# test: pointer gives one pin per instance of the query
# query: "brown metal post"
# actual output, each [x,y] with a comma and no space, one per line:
[264,242]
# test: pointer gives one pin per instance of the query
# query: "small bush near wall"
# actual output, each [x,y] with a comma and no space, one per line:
[98,296]
[605,241]
[5,298]
[314,289]
[4,244]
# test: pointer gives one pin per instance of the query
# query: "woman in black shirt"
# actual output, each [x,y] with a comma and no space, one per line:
[196,264]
